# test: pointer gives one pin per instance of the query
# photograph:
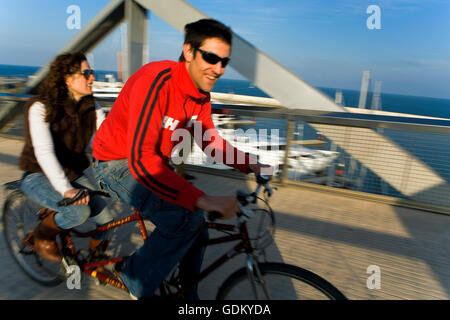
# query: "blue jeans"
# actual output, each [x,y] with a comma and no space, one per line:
[38,187]
[172,241]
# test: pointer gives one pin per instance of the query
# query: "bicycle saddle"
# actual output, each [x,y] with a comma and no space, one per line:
[13,185]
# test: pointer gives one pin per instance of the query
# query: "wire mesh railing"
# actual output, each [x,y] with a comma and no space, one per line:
[402,157]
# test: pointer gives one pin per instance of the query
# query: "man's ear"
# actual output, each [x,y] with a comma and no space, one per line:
[188,52]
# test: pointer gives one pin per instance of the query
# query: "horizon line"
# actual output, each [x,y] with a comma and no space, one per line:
[321,87]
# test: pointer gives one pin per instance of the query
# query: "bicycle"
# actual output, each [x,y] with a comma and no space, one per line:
[258,279]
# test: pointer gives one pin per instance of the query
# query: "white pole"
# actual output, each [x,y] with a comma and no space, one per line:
[364,87]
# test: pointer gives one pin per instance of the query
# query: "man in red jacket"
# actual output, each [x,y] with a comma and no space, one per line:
[133,146]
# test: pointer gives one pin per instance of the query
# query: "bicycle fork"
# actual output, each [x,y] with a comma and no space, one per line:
[255,277]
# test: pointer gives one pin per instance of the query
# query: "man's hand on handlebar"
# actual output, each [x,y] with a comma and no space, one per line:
[227,206]
[73,192]
[263,169]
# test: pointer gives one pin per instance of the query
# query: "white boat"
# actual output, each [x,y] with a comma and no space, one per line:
[109,89]
[267,149]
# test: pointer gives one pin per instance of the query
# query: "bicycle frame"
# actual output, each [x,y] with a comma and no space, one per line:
[243,246]
[90,268]
[173,287]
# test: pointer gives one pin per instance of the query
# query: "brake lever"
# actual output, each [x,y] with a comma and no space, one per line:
[244,214]
[268,190]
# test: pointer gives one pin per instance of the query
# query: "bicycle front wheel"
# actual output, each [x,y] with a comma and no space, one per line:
[277,281]
[20,217]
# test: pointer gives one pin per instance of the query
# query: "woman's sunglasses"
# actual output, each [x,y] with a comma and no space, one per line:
[87,73]
[212,58]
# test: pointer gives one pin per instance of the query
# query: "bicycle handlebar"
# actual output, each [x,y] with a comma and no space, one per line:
[82,193]
[245,198]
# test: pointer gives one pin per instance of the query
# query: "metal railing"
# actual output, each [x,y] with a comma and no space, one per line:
[402,160]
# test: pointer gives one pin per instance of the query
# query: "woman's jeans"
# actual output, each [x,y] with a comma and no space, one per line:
[38,188]
[177,229]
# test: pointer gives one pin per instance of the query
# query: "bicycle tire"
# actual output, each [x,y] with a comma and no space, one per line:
[20,217]
[291,283]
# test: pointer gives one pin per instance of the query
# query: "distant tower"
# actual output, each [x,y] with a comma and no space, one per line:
[339,99]
[364,87]
[124,52]
[119,66]
[376,98]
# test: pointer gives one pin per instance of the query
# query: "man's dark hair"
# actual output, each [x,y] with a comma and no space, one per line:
[197,32]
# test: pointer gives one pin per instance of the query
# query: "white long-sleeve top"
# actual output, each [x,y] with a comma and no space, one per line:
[44,149]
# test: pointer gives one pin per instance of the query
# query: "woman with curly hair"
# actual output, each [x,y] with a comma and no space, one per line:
[59,124]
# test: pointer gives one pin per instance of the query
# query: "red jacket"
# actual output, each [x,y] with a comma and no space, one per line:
[157,99]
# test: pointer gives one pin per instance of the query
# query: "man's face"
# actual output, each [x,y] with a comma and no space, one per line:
[204,74]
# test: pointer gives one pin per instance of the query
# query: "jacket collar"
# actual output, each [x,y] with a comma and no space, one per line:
[186,85]
[73,107]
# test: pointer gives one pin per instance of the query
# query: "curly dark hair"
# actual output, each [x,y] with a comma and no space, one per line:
[53,90]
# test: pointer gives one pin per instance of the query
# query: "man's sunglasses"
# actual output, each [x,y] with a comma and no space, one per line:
[212,58]
[87,73]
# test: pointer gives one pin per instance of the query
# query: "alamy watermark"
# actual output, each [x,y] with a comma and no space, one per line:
[374,280]
[374,20]
[251,141]
[74,20]
[74,278]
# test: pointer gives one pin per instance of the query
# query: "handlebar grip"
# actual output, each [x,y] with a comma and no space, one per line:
[242,197]
[64,202]
[100,193]
[213,215]
[68,201]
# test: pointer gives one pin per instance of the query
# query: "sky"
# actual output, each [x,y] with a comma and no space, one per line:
[328,43]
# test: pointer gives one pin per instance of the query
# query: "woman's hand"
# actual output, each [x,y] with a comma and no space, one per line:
[226,205]
[73,192]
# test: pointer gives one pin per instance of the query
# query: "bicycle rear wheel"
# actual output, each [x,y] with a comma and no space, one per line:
[278,281]
[20,217]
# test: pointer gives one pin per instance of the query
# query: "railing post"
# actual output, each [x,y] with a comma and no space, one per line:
[332,168]
[289,135]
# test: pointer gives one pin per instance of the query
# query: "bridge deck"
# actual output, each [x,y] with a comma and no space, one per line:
[333,236]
